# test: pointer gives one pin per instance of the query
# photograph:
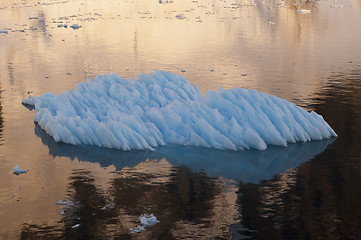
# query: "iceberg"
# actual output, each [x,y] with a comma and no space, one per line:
[164,108]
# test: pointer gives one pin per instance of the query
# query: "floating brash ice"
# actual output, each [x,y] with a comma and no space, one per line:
[164,107]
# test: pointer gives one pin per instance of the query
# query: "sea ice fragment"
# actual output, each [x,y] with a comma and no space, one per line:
[18,170]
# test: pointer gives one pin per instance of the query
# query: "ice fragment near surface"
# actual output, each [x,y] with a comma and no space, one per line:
[303,11]
[18,170]
[164,108]
[146,220]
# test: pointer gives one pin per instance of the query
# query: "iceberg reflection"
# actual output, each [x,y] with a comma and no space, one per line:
[249,166]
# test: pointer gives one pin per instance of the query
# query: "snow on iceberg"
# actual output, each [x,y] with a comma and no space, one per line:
[163,108]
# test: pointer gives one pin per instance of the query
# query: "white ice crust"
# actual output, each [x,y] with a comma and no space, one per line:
[164,107]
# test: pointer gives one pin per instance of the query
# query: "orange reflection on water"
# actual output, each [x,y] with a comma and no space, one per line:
[263,45]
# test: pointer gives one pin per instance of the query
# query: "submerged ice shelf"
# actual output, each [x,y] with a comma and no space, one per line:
[164,108]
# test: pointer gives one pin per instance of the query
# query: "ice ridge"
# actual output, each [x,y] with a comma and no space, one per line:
[164,107]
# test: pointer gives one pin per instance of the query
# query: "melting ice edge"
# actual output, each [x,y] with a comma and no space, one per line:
[164,108]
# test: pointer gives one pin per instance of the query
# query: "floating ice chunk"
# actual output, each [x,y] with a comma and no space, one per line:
[67,203]
[18,171]
[303,11]
[163,108]
[180,16]
[75,26]
[105,207]
[336,6]
[137,230]
[76,226]
[148,220]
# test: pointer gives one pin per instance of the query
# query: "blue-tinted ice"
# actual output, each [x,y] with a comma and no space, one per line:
[164,108]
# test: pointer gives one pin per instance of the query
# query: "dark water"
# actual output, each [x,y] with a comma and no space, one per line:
[320,198]
[304,191]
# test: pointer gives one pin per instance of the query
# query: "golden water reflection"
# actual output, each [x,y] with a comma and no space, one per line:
[214,42]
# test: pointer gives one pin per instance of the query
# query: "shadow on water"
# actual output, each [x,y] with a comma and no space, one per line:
[321,198]
[83,218]
[245,166]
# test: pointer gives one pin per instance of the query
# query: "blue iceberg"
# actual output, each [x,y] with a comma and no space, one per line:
[164,108]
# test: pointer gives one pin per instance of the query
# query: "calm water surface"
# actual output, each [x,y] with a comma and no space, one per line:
[303,191]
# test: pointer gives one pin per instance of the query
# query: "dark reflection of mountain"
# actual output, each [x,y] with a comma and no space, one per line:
[84,219]
[86,212]
[322,198]
[108,214]
[185,197]
[245,166]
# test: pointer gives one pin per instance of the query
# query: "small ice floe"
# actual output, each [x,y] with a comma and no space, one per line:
[66,203]
[18,170]
[180,16]
[75,26]
[303,11]
[137,230]
[105,207]
[336,6]
[146,220]
[76,226]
